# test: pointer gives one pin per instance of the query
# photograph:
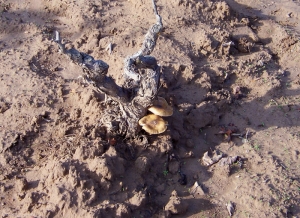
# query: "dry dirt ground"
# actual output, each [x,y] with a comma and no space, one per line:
[230,69]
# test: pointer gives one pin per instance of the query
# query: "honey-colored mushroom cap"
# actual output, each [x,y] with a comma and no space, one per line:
[160,107]
[153,124]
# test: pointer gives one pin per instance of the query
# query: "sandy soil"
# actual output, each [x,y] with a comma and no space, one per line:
[230,71]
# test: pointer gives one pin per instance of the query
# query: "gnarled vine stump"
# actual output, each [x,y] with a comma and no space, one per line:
[139,89]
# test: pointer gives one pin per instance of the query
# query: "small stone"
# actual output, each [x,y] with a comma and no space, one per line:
[196,190]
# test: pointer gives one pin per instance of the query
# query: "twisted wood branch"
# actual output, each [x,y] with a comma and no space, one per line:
[139,89]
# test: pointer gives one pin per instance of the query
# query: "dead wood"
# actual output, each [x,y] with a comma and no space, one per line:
[142,75]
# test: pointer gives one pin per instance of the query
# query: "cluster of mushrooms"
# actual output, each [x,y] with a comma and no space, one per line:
[153,123]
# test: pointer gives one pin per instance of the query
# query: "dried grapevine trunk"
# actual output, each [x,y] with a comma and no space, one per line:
[139,89]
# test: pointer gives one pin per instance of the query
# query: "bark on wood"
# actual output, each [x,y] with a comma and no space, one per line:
[136,94]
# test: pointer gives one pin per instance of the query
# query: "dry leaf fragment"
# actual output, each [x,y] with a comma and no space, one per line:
[216,157]
[207,160]
[230,208]
[228,160]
